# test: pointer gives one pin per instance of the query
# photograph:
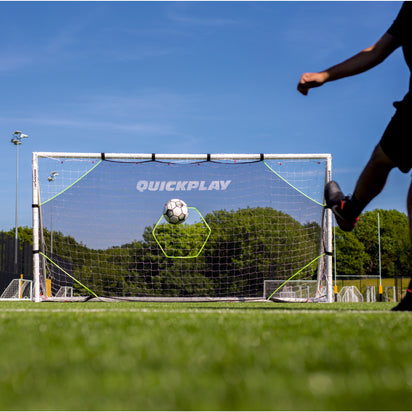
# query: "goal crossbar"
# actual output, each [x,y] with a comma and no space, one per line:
[188,156]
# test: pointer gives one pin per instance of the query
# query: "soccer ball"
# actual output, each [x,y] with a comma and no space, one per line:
[175,211]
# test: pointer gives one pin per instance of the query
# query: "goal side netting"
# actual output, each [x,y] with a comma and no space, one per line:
[256,227]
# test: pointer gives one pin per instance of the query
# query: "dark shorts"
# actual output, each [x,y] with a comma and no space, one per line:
[396,141]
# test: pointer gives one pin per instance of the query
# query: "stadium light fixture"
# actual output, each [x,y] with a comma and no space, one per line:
[16,140]
[52,176]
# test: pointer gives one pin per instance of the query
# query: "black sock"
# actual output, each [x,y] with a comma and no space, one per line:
[406,303]
[357,206]
[407,298]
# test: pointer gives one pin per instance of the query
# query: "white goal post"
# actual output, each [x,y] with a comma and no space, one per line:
[256,221]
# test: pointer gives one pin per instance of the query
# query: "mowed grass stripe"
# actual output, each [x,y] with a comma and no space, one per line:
[121,356]
[182,307]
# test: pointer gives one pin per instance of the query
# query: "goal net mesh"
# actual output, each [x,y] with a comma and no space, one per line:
[102,231]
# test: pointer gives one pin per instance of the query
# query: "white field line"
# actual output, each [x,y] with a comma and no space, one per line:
[190,310]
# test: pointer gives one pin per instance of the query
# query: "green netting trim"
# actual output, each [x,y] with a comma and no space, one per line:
[293,187]
[68,187]
[297,273]
[183,257]
[68,274]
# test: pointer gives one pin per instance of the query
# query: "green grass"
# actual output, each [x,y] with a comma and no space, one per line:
[204,356]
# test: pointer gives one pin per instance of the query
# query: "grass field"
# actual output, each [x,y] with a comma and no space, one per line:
[204,356]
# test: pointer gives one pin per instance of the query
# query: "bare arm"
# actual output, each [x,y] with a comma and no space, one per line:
[359,63]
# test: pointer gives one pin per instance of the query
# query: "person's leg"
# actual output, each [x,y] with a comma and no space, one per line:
[406,303]
[370,183]
[372,179]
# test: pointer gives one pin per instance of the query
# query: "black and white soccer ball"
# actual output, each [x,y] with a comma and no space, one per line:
[175,211]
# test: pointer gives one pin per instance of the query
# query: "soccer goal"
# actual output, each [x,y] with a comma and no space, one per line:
[256,226]
[18,289]
[350,294]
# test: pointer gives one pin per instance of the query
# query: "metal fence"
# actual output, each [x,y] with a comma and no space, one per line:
[8,271]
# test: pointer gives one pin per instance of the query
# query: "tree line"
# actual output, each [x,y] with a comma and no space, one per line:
[357,252]
[245,247]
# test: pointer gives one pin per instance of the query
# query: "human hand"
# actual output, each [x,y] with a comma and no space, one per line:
[311,80]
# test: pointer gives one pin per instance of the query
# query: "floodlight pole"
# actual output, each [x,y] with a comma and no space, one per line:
[16,241]
[51,178]
[380,264]
[16,140]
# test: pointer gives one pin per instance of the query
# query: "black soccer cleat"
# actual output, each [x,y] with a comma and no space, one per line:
[341,206]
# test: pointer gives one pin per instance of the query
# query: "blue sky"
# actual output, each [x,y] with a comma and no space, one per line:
[192,77]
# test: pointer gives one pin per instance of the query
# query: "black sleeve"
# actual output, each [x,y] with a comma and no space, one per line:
[401,22]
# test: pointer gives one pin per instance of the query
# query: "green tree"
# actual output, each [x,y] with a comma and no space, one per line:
[358,251]
[395,242]
[24,234]
[250,245]
[245,247]
[351,258]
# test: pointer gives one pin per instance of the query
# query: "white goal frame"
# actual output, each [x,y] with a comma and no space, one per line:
[18,289]
[179,157]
